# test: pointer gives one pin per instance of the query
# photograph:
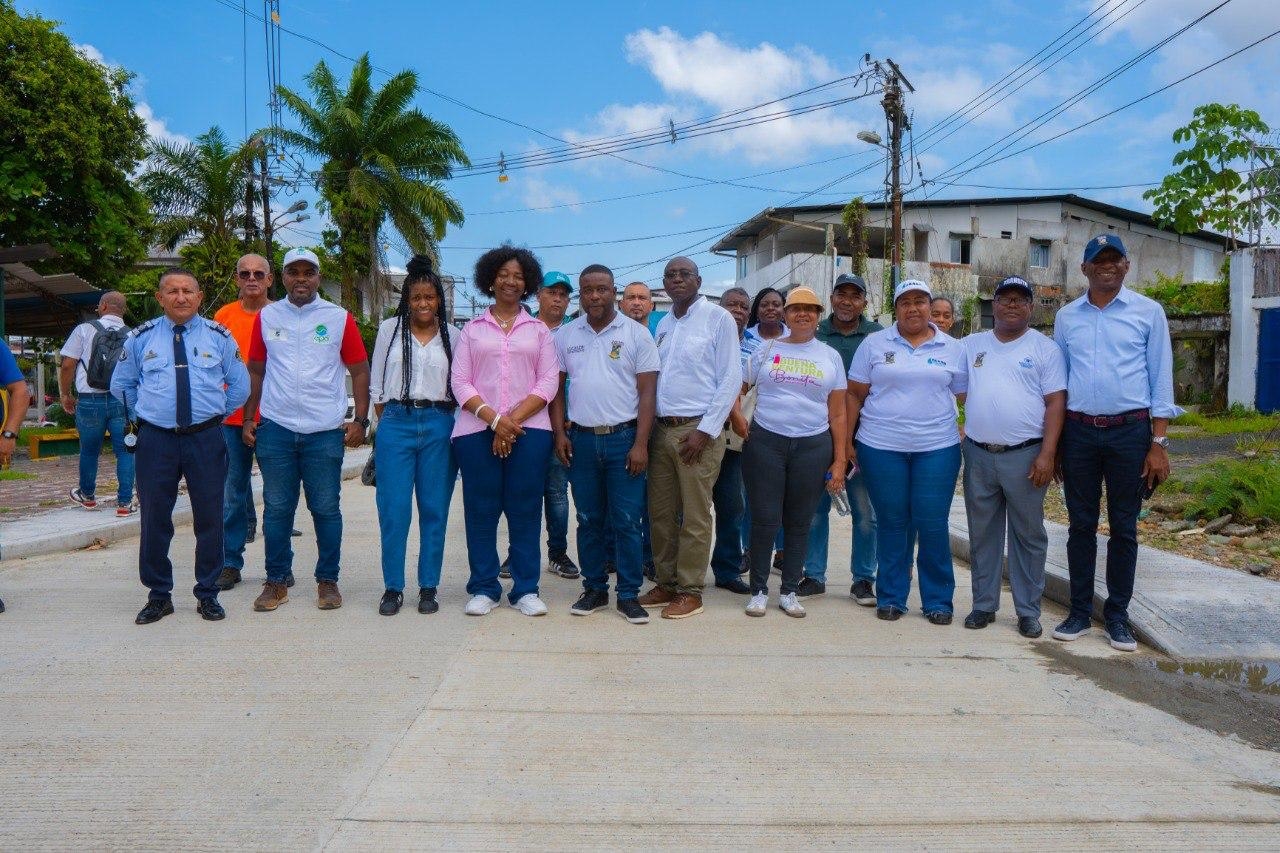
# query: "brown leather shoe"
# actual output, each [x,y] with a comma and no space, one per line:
[683,605]
[657,597]
[328,597]
[273,595]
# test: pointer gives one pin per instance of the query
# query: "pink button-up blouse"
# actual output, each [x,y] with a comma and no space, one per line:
[503,369]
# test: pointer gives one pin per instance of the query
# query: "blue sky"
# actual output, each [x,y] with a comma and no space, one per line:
[580,71]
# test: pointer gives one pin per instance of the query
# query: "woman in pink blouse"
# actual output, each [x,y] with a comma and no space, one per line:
[504,374]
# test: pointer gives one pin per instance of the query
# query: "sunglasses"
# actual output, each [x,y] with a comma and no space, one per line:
[256,275]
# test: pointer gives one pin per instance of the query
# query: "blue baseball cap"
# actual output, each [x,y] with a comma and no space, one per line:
[1103,241]
[555,278]
[850,280]
[1014,282]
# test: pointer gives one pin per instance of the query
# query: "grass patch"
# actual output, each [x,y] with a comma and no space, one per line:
[26,432]
[16,475]
[1246,488]
[1233,420]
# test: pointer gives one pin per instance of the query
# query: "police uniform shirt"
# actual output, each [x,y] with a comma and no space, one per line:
[1008,381]
[911,406]
[145,379]
[602,369]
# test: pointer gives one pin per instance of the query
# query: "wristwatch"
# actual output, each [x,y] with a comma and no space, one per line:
[8,434]
[364,422]
[1162,440]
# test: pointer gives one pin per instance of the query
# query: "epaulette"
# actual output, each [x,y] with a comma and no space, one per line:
[147,326]
[219,328]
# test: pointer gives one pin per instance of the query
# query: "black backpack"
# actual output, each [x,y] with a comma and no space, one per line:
[104,354]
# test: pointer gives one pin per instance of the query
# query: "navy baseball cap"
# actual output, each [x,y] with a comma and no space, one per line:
[555,278]
[850,279]
[1013,282]
[1103,241]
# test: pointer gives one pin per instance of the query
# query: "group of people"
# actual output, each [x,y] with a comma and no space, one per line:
[722,439]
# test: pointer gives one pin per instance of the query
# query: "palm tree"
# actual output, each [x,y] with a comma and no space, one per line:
[197,193]
[381,161]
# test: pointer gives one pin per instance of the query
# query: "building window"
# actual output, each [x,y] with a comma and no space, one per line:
[1039,253]
[742,267]
[961,248]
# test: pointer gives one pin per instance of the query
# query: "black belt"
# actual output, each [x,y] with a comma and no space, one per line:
[679,421]
[442,405]
[606,430]
[1104,421]
[1004,448]
[186,430]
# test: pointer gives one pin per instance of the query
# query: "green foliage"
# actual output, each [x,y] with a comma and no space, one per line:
[1209,189]
[139,289]
[854,217]
[1236,419]
[1181,299]
[1248,489]
[55,413]
[382,160]
[71,140]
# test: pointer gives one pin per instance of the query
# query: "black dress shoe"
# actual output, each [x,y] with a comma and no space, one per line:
[391,601]
[288,579]
[156,609]
[210,610]
[427,600]
[295,532]
[251,535]
[650,572]
[1029,627]
[888,614]
[228,579]
[809,587]
[979,619]
[938,617]
[734,585]
[1,605]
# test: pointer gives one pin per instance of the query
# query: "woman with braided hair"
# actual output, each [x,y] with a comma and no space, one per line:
[411,393]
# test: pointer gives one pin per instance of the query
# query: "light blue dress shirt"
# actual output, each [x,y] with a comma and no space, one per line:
[1119,358]
[145,377]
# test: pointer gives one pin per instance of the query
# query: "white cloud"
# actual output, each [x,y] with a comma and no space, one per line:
[156,127]
[537,193]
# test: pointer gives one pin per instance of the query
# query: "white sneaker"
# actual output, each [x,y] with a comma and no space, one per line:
[758,604]
[480,605]
[791,606]
[530,605]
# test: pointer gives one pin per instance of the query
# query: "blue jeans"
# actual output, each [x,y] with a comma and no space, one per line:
[862,560]
[238,511]
[912,489]
[96,415]
[555,498]
[607,498]
[1092,456]
[493,487]
[413,457]
[730,503]
[292,462]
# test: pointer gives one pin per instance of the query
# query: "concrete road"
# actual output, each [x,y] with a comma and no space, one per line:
[306,729]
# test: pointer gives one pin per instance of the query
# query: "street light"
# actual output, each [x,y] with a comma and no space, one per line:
[870,137]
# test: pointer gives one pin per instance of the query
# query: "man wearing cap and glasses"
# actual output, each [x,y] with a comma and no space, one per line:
[1013,419]
[301,349]
[1119,402]
[844,331]
[553,302]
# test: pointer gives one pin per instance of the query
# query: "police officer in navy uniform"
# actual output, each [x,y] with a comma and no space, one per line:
[179,376]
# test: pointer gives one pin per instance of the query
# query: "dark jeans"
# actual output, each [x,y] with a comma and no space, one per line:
[1092,456]
[555,499]
[607,498]
[493,487]
[726,497]
[784,480]
[292,462]
[238,513]
[163,460]
[96,415]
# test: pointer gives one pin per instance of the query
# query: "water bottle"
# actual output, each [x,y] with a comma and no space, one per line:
[839,500]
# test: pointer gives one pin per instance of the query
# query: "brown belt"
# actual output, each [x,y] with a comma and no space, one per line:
[1104,421]
[679,421]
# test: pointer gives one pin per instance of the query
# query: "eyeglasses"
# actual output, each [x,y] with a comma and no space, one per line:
[672,275]
[256,275]
[1012,301]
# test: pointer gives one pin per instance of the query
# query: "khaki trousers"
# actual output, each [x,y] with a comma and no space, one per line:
[680,508]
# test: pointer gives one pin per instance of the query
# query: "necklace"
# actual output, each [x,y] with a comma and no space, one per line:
[505,324]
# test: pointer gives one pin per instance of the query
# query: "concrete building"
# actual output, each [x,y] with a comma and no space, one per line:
[963,247]
[1255,329]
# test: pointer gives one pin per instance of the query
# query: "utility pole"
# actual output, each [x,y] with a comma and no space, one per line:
[897,118]
[267,228]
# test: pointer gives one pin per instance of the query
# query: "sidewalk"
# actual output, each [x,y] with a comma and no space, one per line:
[1185,608]
[70,528]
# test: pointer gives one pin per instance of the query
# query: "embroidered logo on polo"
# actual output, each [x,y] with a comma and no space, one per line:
[1026,363]
[939,362]
[977,361]
[575,349]
[322,334]
[615,351]
[889,356]
[794,371]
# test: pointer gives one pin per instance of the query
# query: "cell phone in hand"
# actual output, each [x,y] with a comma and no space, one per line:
[1148,489]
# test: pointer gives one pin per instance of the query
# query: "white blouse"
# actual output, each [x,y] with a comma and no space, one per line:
[428,363]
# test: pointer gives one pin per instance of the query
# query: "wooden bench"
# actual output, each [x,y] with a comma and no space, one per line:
[43,445]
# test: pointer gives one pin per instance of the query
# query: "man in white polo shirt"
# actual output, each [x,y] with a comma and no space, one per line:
[297,353]
[1013,419]
[699,381]
[612,367]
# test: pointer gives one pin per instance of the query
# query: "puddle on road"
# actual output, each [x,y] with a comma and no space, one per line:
[1240,698]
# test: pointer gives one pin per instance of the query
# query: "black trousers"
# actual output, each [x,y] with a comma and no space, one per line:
[163,459]
[784,480]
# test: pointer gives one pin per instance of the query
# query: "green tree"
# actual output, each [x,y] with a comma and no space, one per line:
[71,138]
[382,161]
[197,191]
[1227,181]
